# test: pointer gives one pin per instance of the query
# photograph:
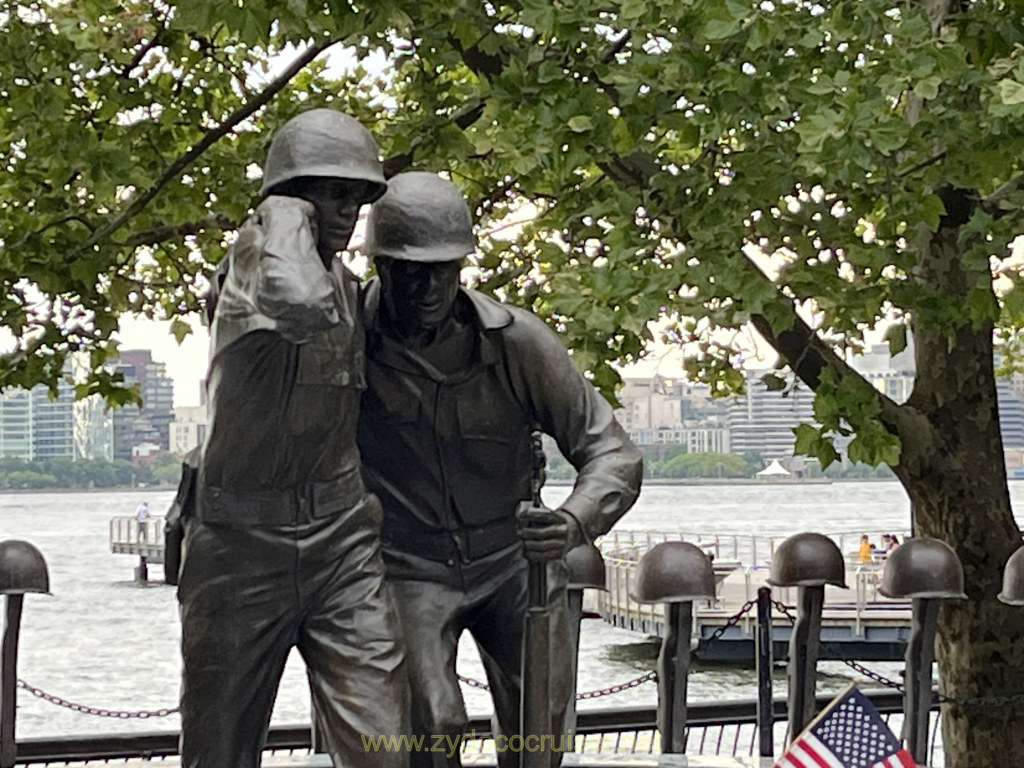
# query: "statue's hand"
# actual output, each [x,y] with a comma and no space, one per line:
[288,216]
[547,534]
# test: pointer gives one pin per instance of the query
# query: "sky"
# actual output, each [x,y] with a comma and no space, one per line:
[186,364]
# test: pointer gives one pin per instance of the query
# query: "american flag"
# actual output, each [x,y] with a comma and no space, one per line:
[849,733]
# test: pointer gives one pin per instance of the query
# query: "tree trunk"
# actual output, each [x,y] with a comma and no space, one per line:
[954,474]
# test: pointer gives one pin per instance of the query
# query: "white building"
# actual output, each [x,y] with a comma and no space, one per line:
[188,428]
[763,420]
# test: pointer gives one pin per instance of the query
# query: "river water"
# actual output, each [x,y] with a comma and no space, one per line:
[101,641]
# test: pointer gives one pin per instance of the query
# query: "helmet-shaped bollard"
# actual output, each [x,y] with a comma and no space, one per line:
[586,567]
[674,573]
[807,560]
[22,570]
[923,568]
[1013,579]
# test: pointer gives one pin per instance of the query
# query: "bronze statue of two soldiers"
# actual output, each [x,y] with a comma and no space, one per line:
[283,542]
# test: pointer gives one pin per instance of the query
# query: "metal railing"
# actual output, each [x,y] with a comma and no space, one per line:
[752,550]
[720,728]
[129,535]
[739,573]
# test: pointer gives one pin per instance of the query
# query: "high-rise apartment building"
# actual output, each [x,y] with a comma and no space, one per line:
[763,420]
[36,426]
[149,422]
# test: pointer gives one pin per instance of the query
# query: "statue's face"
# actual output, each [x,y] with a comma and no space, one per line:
[420,295]
[337,203]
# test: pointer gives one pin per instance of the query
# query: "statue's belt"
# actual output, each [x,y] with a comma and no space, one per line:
[290,506]
[464,544]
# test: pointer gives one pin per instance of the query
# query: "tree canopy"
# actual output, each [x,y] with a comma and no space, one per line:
[808,169]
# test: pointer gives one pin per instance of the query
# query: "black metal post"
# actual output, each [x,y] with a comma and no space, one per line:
[673,671]
[536,703]
[575,600]
[9,680]
[765,721]
[919,660]
[803,657]
[142,571]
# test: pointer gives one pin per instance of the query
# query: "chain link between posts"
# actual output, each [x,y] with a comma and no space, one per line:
[594,694]
[97,711]
[980,701]
[647,678]
[719,631]
[857,667]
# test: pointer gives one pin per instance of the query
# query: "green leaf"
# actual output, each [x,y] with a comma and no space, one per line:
[932,210]
[580,124]
[180,329]
[896,338]
[720,29]
[1011,92]
[929,87]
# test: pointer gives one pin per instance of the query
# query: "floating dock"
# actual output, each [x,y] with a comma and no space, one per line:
[857,623]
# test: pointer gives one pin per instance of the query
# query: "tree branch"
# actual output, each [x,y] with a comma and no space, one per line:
[172,231]
[809,356]
[616,49]
[186,160]
[147,47]
[400,162]
[991,203]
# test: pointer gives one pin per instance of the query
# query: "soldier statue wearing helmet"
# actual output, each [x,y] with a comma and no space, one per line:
[281,543]
[456,384]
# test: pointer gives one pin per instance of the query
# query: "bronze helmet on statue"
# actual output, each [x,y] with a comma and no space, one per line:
[422,217]
[324,143]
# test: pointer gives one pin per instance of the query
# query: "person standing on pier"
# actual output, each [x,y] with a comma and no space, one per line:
[456,385]
[141,516]
[282,546]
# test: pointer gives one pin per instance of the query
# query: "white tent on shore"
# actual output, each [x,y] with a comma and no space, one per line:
[774,469]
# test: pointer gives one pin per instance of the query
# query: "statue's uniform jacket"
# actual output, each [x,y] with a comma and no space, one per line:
[282,549]
[450,457]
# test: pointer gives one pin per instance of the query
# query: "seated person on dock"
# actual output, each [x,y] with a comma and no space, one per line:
[456,385]
[866,551]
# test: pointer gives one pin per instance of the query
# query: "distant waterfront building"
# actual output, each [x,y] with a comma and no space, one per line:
[890,374]
[34,426]
[708,439]
[763,420]
[662,411]
[150,422]
[188,428]
[94,429]
[1011,413]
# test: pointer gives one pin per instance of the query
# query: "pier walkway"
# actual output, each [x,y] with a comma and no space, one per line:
[146,540]
[857,623]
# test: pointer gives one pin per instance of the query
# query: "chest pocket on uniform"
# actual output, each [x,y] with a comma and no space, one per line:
[492,433]
[328,359]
